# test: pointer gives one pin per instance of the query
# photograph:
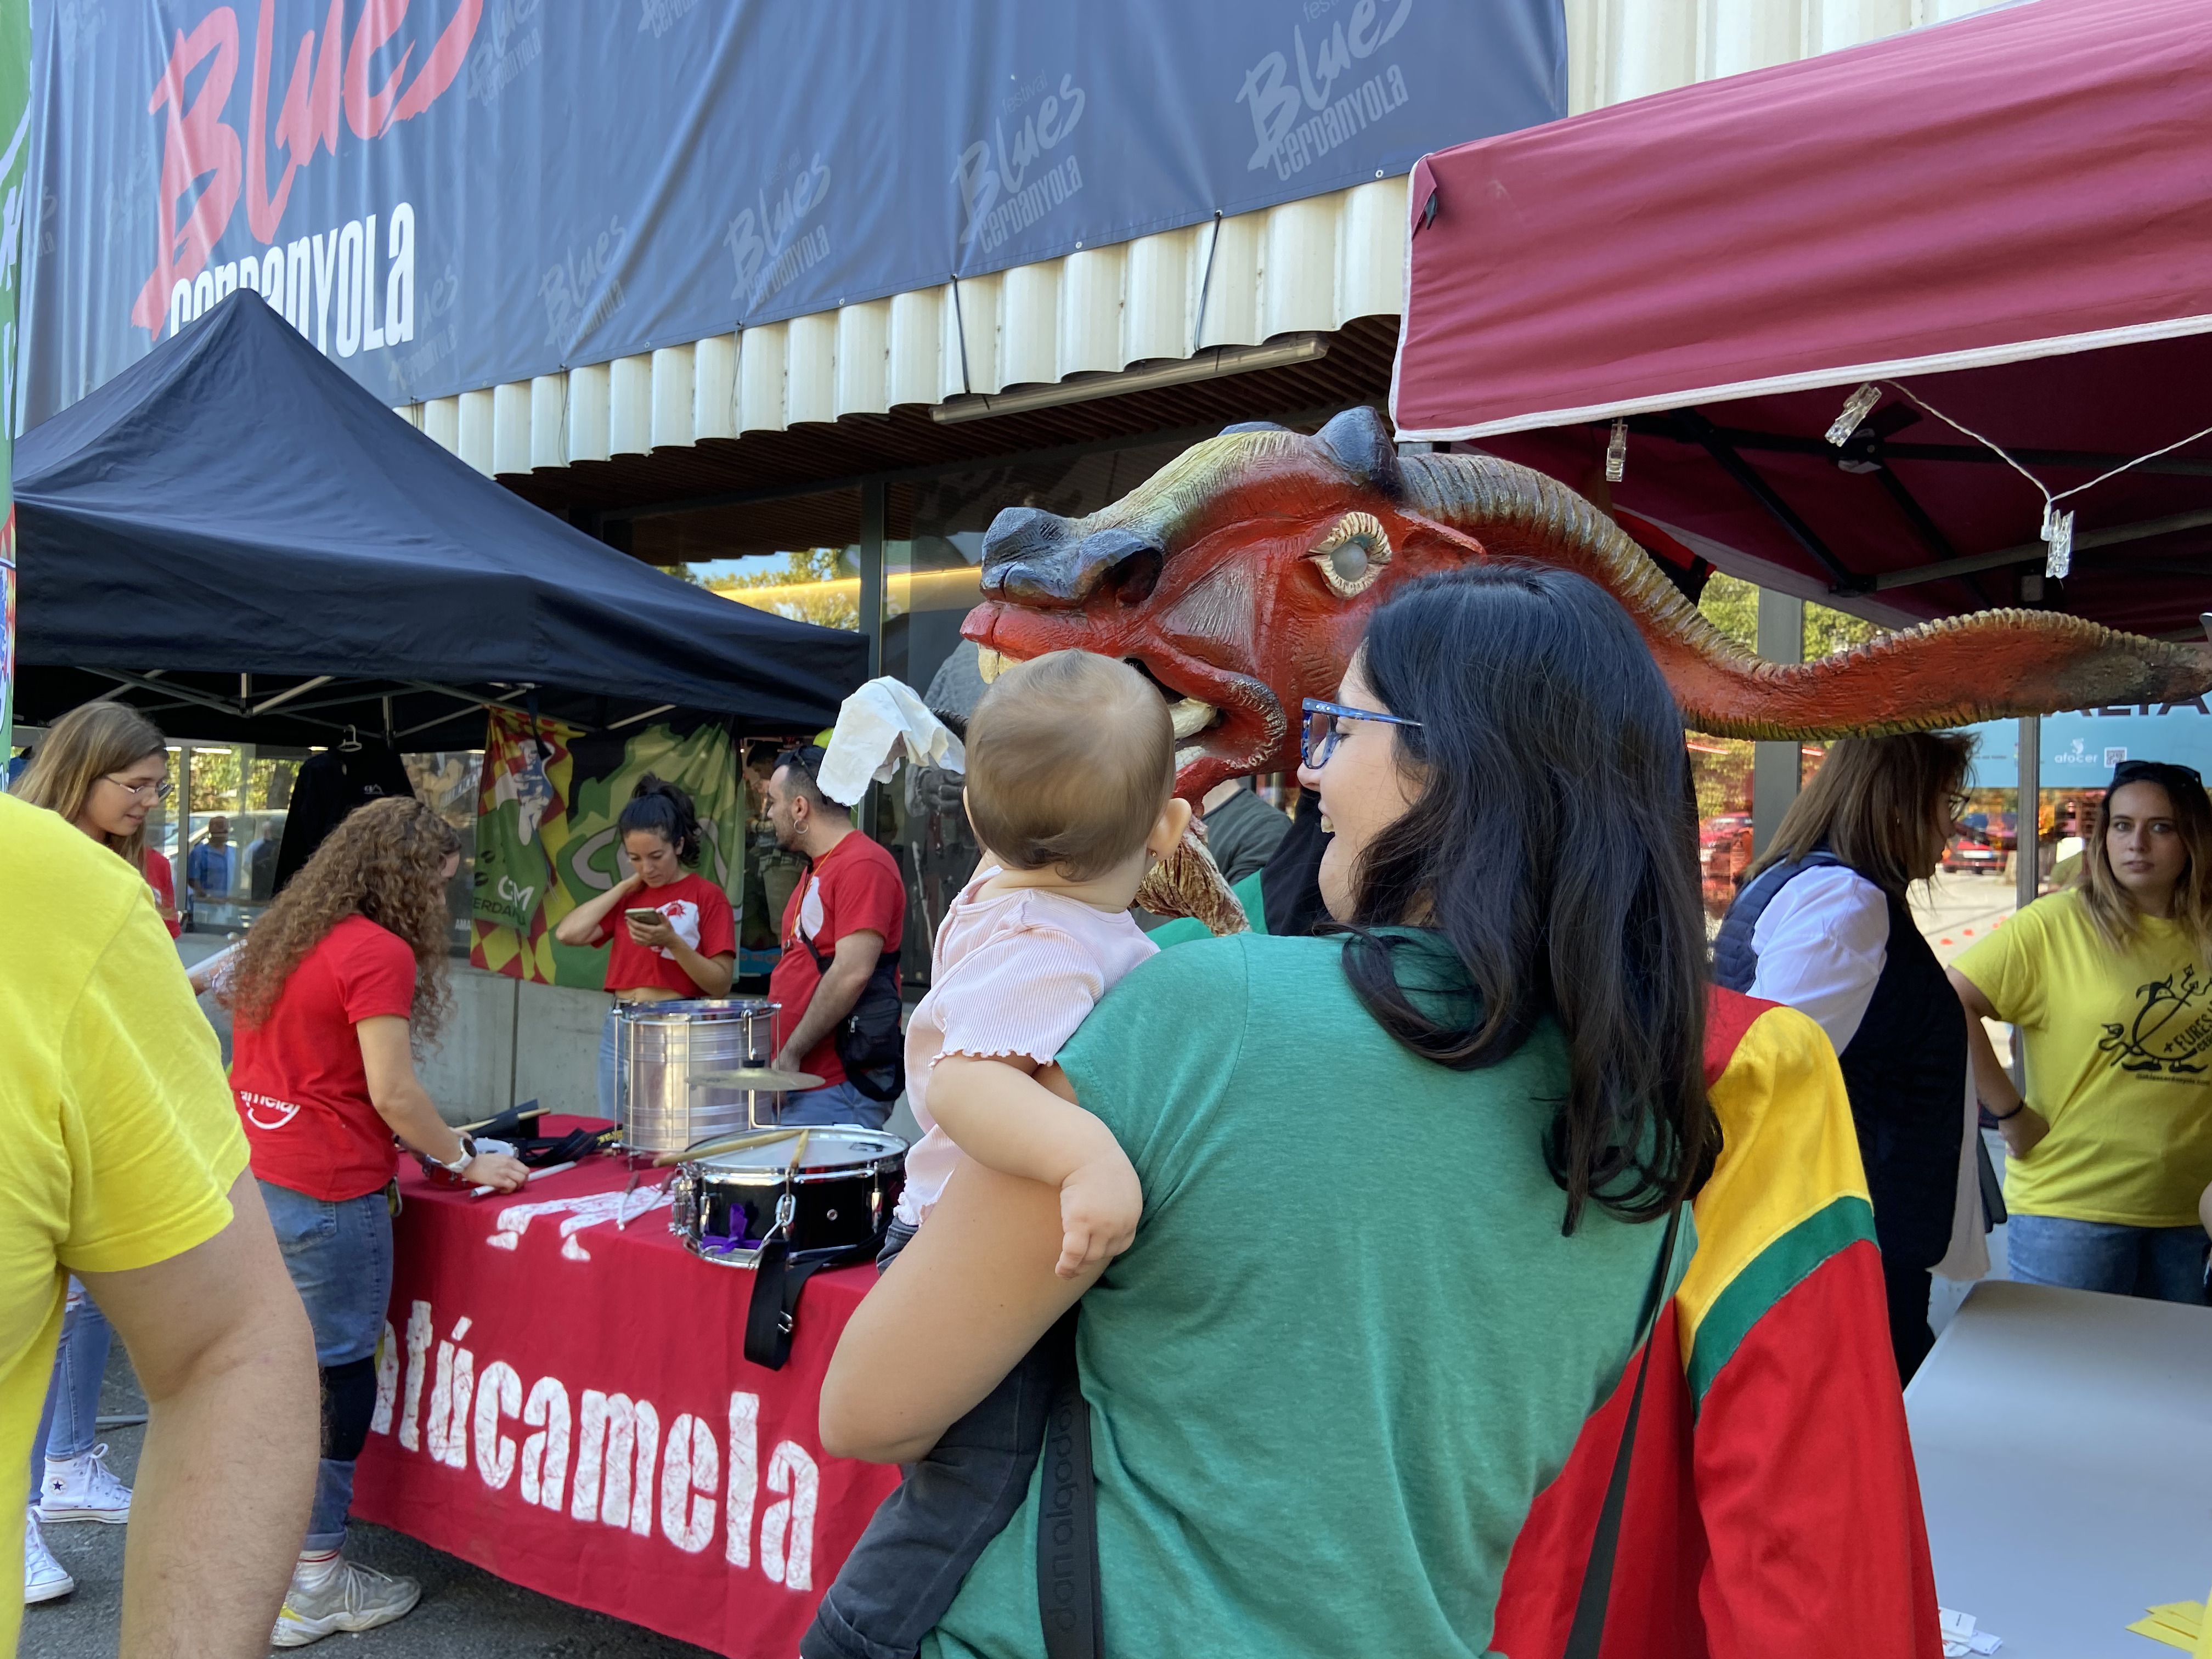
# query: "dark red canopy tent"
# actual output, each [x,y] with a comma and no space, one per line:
[2010,215]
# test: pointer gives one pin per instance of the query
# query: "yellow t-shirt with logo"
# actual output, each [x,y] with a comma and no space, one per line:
[2120,1059]
[121,1139]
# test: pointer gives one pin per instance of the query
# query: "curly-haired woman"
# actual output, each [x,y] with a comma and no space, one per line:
[333,990]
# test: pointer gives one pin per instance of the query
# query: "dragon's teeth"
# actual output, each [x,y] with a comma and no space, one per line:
[1186,754]
[990,664]
[1190,717]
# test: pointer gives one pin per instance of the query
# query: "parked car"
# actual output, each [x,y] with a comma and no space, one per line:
[1975,857]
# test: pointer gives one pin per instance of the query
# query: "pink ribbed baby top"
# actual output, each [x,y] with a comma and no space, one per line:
[1010,973]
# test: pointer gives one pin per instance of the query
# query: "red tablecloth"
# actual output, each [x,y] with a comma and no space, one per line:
[569,1405]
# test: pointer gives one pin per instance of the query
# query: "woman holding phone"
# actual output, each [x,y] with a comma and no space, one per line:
[670,931]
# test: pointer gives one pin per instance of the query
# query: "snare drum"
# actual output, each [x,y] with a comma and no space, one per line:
[660,1048]
[837,1202]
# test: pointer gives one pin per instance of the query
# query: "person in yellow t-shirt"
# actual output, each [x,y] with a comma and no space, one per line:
[126,1167]
[2109,988]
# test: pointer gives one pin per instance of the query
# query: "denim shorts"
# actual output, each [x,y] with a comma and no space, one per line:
[339,1255]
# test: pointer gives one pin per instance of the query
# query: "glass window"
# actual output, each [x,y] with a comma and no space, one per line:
[933,572]
[241,793]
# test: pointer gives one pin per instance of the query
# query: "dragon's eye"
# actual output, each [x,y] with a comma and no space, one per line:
[1353,554]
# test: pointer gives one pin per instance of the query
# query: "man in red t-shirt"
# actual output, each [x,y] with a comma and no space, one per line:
[850,908]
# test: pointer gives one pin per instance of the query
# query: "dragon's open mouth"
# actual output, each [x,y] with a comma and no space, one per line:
[1225,723]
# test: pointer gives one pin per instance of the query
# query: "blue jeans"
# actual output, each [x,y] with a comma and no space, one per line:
[2163,1264]
[339,1255]
[70,1422]
[835,1103]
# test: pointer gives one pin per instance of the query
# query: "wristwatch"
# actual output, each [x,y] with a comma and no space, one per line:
[468,1157]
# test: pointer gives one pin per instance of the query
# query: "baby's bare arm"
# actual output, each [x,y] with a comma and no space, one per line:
[998,1113]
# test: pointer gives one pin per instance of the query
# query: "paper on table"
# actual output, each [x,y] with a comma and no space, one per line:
[2177,1624]
[1961,1637]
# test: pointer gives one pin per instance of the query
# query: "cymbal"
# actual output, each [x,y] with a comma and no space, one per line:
[758,1079]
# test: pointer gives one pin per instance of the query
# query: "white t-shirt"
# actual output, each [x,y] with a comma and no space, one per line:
[1823,941]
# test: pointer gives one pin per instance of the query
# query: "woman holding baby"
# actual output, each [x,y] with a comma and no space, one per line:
[1402,1187]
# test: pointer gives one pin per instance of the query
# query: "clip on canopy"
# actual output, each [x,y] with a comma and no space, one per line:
[2006,213]
[233,526]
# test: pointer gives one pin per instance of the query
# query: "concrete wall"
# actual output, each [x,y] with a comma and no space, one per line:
[508,1042]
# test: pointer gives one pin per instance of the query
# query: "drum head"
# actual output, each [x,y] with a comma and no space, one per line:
[831,1146]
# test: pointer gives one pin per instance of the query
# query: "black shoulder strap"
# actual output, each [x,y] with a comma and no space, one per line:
[773,1313]
[1587,1634]
[1068,1512]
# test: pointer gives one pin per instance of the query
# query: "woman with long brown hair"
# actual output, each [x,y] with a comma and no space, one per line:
[2109,987]
[1822,925]
[103,768]
[340,980]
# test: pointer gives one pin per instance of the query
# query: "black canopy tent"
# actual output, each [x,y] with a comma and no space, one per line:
[235,537]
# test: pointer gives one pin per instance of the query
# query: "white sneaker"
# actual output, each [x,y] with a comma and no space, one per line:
[329,1596]
[82,1489]
[44,1579]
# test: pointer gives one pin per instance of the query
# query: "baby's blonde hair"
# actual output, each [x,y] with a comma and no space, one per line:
[1071,759]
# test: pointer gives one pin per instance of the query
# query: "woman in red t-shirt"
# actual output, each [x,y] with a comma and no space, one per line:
[102,767]
[678,938]
[331,991]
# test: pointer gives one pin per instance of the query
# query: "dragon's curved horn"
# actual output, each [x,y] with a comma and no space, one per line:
[1994,664]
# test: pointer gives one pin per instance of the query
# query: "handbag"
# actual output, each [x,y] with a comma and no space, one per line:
[868,1041]
[1068,1602]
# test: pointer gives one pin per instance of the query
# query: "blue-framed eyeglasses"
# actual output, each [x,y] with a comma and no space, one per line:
[1318,738]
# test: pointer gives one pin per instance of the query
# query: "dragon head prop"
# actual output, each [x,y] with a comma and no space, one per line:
[1240,578]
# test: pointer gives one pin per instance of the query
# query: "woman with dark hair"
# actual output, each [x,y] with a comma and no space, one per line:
[1822,925]
[678,938]
[1399,1183]
[2108,986]
[343,976]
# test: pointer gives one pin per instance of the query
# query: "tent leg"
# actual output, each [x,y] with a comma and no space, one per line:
[1777,768]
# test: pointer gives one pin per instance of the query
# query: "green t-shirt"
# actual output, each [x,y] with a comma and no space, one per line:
[2120,1059]
[1349,1345]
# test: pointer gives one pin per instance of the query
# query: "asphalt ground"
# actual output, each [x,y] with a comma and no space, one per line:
[465,1612]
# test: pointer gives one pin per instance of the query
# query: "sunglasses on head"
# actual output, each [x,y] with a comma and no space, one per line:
[2167,773]
[808,759]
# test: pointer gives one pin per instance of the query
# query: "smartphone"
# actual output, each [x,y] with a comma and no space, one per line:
[642,915]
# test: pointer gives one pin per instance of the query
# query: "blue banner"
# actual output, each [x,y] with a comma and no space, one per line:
[2080,749]
[448,194]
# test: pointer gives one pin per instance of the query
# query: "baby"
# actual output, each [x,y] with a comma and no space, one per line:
[1070,774]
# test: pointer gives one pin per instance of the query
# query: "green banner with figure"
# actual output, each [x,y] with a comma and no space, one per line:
[545,833]
[16,221]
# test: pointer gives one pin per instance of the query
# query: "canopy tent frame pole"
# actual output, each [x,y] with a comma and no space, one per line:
[1707,435]
[2036,552]
[2027,845]
[1777,767]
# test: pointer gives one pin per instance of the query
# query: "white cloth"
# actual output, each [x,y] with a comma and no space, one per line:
[1822,942]
[878,725]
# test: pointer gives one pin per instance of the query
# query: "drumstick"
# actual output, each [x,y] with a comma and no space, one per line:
[551,1169]
[732,1143]
[485,1123]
